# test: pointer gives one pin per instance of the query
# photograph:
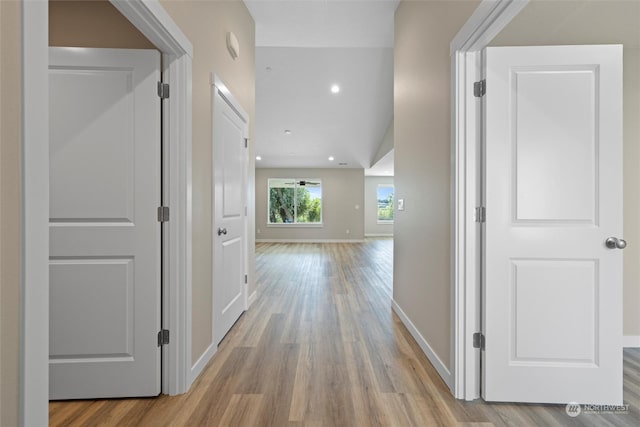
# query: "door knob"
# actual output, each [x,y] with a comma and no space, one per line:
[222,231]
[615,243]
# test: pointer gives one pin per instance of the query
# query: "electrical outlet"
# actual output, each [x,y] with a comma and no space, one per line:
[258,231]
[348,231]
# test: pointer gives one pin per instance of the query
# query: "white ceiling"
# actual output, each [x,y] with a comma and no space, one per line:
[303,48]
[323,23]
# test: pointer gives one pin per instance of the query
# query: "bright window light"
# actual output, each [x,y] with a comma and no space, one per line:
[385,203]
[295,201]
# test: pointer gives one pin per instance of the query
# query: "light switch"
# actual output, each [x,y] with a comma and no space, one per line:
[357,207]
[400,204]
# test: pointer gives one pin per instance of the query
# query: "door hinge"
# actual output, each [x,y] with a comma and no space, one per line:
[246,279]
[481,214]
[163,90]
[163,213]
[163,337]
[478,340]
[246,142]
[479,88]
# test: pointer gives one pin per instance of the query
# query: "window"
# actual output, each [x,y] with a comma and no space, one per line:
[385,203]
[295,201]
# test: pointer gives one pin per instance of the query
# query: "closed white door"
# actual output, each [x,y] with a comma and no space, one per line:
[105,234]
[229,151]
[552,287]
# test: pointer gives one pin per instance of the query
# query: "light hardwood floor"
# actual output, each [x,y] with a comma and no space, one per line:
[321,347]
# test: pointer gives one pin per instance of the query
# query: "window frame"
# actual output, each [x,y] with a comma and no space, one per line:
[295,223]
[385,221]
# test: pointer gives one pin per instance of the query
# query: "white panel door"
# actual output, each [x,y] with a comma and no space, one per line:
[105,235]
[552,288]
[229,288]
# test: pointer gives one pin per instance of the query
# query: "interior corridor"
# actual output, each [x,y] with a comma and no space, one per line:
[321,347]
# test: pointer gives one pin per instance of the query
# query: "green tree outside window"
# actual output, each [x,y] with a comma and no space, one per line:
[385,203]
[295,201]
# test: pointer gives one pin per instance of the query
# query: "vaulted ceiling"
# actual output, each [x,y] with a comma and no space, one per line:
[305,47]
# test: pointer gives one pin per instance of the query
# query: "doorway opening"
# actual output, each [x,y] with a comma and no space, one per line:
[490,25]
[153,22]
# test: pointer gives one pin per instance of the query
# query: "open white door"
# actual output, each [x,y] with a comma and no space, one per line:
[105,234]
[229,234]
[553,182]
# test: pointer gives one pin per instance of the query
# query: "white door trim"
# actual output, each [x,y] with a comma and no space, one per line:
[153,21]
[34,278]
[487,21]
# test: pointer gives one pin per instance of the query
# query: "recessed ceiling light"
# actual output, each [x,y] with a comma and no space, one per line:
[335,89]
[258,158]
[287,132]
[331,159]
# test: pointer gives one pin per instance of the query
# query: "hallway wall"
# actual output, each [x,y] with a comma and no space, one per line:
[422,143]
[94,23]
[206,24]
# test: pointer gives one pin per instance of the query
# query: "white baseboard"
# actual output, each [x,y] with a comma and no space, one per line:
[631,341]
[252,298]
[309,240]
[199,366]
[424,345]
[378,235]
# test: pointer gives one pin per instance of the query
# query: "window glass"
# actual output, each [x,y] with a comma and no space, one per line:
[295,201]
[385,203]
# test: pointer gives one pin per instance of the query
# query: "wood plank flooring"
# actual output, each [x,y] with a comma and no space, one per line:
[321,347]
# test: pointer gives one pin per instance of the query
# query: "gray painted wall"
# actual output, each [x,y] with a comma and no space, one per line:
[342,206]
[422,145]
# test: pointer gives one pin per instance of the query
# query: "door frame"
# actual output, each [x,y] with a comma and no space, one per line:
[485,23]
[150,18]
[219,88]
[216,84]
[154,22]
